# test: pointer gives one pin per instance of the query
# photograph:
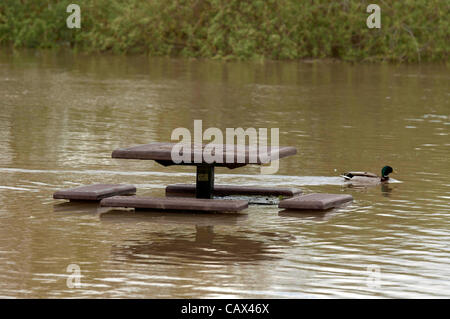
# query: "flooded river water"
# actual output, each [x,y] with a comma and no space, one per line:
[61,115]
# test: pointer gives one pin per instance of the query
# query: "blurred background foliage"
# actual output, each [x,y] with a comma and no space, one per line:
[411,30]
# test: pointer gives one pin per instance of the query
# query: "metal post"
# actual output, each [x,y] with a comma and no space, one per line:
[205,181]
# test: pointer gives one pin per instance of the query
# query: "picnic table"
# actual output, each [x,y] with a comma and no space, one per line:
[230,156]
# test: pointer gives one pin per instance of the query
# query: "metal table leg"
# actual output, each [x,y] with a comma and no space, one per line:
[205,181]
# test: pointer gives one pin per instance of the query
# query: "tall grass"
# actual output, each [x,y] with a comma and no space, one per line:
[411,30]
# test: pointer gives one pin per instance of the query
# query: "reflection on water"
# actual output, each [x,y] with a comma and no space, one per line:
[386,190]
[154,216]
[73,207]
[61,115]
[309,214]
[203,246]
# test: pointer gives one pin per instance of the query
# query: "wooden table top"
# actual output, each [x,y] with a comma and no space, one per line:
[230,157]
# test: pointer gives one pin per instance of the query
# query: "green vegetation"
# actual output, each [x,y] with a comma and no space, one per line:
[411,30]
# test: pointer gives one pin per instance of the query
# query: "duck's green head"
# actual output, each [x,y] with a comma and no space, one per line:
[385,171]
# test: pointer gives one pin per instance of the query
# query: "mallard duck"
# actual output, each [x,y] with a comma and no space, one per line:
[368,178]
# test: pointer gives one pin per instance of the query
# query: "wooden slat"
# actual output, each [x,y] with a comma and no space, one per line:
[228,190]
[183,204]
[161,152]
[95,191]
[315,201]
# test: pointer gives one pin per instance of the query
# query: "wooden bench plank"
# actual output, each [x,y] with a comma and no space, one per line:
[315,201]
[188,190]
[95,192]
[191,204]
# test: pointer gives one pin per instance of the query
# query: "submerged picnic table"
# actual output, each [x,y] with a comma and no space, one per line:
[205,158]
[232,156]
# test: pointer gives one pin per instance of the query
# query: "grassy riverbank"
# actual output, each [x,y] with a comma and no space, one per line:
[411,31]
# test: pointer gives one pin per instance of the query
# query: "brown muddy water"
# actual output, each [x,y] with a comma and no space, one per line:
[61,115]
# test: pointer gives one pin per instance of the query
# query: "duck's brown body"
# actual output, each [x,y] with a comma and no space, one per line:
[365,174]
[367,178]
